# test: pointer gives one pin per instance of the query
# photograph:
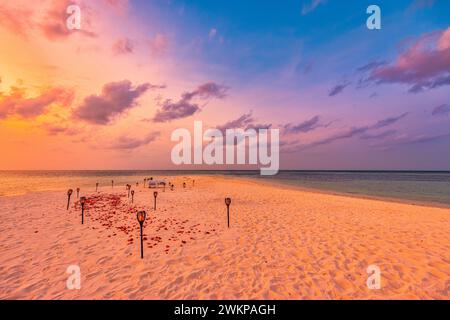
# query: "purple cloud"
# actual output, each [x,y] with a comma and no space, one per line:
[207,90]
[128,143]
[350,133]
[305,126]
[338,89]
[422,139]
[411,140]
[175,110]
[241,122]
[343,135]
[185,107]
[123,46]
[246,121]
[378,136]
[258,126]
[371,66]
[442,110]
[115,98]
[388,121]
[432,84]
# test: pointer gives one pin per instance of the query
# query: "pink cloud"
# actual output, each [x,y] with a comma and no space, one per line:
[54,25]
[159,44]
[123,46]
[121,6]
[16,20]
[49,21]
[444,40]
[424,65]
[16,103]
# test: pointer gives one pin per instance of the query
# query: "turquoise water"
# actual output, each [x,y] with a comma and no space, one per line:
[416,186]
[411,186]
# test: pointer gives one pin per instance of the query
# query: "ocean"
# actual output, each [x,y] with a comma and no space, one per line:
[430,187]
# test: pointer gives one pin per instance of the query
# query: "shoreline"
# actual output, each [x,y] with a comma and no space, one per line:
[281,185]
[289,186]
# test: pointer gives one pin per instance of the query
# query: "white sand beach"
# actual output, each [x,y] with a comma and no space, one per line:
[282,244]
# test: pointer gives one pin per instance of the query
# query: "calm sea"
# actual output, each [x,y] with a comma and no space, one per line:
[413,186]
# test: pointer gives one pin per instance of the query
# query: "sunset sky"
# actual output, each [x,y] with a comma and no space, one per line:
[108,96]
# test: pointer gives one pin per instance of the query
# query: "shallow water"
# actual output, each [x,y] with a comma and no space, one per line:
[411,186]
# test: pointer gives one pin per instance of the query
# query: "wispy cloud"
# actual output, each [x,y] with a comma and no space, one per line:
[121,6]
[442,110]
[127,143]
[378,136]
[388,121]
[371,66]
[361,131]
[245,121]
[338,89]
[422,138]
[212,33]
[352,132]
[405,140]
[159,44]
[57,129]
[305,126]
[123,46]
[241,122]
[311,6]
[421,4]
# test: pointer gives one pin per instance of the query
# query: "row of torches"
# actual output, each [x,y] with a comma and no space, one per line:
[142,214]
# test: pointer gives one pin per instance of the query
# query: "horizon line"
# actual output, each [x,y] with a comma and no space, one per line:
[240,170]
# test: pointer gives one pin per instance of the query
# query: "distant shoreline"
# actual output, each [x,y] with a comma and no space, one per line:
[279,183]
[413,187]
